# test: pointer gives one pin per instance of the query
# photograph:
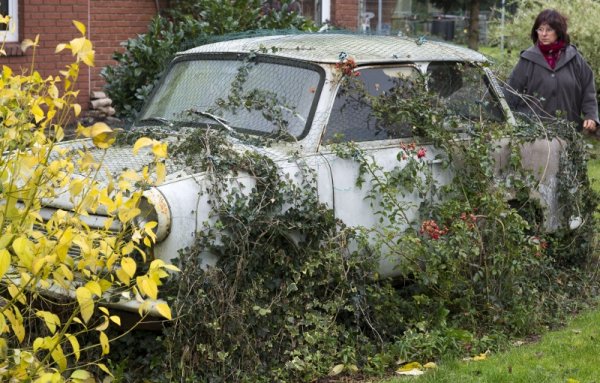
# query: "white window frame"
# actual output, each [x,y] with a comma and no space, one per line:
[12,34]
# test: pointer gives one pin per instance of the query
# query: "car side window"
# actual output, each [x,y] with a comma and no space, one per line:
[463,90]
[352,116]
[376,105]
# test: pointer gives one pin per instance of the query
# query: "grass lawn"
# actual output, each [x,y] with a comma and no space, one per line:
[594,163]
[569,355]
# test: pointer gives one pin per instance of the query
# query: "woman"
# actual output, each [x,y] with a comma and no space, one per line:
[552,78]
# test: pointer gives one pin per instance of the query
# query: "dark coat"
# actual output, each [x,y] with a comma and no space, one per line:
[567,89]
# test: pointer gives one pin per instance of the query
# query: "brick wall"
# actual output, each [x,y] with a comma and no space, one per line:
[114,21]
[109,22]
[344,13]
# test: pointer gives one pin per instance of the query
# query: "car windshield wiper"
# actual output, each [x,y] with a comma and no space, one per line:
[220,120]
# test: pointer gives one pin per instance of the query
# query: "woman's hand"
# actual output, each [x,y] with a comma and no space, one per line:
[589,125]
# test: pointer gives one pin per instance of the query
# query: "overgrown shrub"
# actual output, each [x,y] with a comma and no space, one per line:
[474,256]
[187,24]
[289,300]
[295,294]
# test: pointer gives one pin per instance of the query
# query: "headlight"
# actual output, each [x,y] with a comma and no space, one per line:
[154,207]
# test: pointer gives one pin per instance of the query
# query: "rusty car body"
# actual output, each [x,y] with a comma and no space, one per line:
[304,70]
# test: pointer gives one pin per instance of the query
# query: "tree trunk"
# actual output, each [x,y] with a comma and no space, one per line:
[473,31]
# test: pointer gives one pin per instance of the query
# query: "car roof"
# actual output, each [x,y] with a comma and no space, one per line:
[326,48]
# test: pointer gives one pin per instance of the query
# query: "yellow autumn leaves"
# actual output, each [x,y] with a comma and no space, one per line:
[81,47]
[414,368]
[88,248]
[5,259]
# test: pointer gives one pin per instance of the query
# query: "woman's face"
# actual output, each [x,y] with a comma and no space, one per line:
[546,35]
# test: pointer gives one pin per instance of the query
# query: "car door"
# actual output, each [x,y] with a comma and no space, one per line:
[391,143]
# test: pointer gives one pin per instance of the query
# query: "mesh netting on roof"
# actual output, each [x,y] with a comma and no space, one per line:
[326,47]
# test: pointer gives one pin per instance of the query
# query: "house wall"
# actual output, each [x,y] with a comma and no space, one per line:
[109,22]
[387,13]
[345,13]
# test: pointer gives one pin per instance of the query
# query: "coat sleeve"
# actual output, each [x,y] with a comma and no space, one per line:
[589,102]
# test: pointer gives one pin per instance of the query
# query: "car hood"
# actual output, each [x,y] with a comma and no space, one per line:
[119,158]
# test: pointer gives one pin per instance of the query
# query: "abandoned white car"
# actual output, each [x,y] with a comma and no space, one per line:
[290,88]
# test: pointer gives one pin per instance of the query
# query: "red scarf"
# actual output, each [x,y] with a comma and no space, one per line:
[552,52]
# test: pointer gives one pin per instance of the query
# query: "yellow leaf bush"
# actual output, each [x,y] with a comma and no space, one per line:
[44,252]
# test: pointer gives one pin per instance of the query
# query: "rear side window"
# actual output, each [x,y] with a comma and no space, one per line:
[463,90]
[352,116]
[373,106]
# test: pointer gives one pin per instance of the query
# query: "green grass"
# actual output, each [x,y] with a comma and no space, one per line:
[569,355]
[594,163]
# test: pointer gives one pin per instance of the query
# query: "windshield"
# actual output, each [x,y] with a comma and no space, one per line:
[258,97]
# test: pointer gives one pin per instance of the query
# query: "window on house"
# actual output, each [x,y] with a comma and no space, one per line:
[10,32]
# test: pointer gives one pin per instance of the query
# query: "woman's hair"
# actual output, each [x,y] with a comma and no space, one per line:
[555,21]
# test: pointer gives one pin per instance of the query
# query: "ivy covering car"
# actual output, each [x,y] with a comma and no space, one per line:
[362,122]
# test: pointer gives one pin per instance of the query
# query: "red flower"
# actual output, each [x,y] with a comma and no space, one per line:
[470,219]
[421,153]
[431,228]
[346,66]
